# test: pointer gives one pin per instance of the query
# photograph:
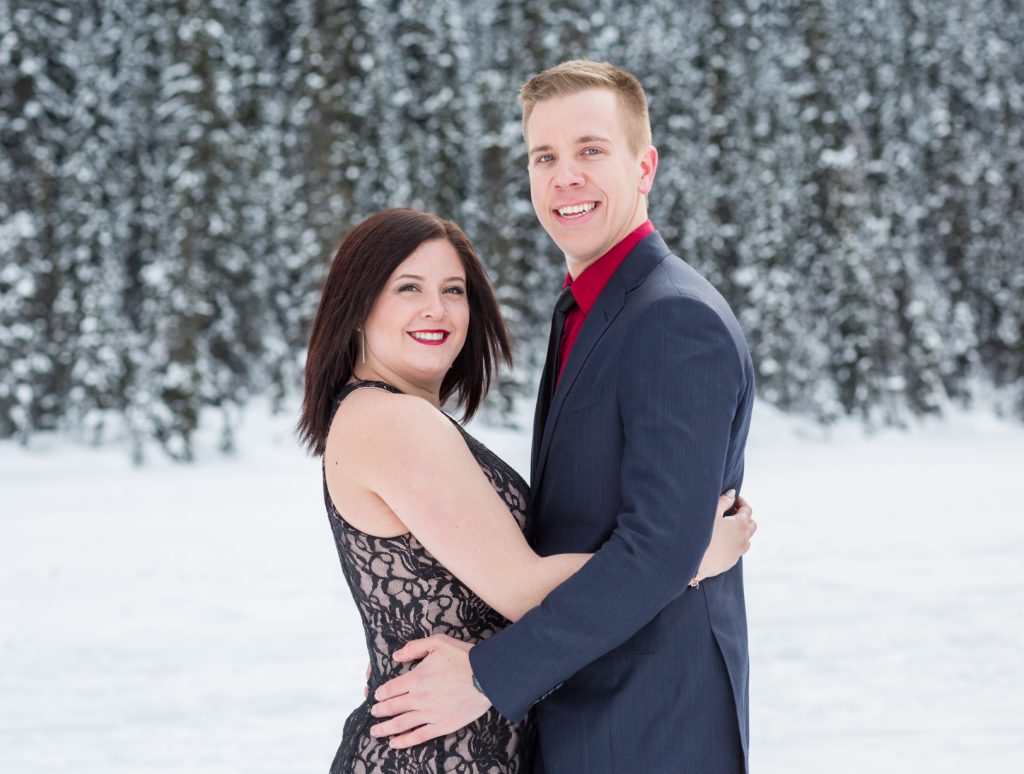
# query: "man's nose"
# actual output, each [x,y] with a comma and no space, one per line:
[567,174]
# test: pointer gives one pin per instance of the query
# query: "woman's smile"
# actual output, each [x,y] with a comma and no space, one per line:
[430,337]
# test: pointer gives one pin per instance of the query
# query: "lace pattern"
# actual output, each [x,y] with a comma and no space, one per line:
[403,593]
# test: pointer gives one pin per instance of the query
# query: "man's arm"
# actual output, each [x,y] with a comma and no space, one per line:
[681,382]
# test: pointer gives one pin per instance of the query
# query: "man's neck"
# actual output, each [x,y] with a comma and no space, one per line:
[576,266]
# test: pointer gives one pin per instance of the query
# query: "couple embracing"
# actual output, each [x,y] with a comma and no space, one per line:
[594,621]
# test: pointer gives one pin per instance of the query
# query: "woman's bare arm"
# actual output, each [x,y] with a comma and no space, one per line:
[404,451]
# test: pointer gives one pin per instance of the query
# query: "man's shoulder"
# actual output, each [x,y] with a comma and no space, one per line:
[675,288]
[674,278]
[656,267]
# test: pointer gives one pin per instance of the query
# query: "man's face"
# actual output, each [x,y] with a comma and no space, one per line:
[586,183]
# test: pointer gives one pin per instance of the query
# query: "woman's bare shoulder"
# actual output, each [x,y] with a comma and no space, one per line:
[374,420]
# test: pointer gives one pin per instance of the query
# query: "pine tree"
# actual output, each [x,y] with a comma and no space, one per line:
[177,175]
[38,275]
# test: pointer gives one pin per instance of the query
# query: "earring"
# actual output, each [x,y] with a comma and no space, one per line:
[362,346]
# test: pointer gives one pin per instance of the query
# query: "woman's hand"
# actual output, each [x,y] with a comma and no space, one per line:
[730,538]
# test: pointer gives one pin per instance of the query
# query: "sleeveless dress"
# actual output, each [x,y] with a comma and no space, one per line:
[402,594]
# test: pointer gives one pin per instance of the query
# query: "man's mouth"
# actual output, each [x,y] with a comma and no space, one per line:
[430,337]
[573,211]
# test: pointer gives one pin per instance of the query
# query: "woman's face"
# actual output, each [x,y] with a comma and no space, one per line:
[418,323]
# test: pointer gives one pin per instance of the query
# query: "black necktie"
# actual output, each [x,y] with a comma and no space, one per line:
[565,303]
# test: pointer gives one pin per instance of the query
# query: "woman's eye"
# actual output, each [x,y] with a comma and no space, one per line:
[455,290]
[405,288]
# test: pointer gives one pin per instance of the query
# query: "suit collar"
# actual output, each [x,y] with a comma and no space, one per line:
[642,260]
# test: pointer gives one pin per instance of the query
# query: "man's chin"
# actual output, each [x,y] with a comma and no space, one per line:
[575,250]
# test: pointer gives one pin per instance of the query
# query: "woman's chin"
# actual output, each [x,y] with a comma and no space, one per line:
[426,376]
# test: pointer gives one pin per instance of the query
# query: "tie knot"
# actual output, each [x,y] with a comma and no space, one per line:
[566,300]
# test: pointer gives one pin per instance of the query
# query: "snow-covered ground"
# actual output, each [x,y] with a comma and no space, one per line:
[195,619]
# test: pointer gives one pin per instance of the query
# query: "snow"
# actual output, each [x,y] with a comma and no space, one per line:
[176,618]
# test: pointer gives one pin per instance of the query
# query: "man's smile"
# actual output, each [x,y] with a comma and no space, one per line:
[572,212]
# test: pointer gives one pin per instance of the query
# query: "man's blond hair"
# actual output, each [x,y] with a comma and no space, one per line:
[578,75]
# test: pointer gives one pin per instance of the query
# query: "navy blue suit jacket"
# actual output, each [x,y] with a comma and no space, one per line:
[637,672]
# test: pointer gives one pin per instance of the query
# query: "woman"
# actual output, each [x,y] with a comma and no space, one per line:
[429,524]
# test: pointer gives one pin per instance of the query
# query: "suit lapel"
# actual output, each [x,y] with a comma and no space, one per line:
[641,261]
[537,431]
[607,308]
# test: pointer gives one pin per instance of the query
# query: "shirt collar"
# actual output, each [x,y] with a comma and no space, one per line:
[588,286]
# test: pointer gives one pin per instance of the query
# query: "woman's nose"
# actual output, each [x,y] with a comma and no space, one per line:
[433,306]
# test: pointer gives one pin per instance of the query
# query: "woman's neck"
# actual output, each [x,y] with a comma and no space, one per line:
[368,372]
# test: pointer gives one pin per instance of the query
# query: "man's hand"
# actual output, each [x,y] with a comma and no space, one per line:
[436,698]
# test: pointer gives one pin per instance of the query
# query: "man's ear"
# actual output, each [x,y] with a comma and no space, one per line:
[648,168]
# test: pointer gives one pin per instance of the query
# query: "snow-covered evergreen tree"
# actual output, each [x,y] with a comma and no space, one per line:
[177,174]
[37,277]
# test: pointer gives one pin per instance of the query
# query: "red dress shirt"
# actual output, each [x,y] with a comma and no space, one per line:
[588,286]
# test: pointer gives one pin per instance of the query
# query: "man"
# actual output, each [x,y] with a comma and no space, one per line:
[632,668]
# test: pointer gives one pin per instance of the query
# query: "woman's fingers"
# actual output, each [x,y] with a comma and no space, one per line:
[743,519]
[725,502]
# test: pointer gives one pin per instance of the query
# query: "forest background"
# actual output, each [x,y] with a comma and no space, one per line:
[177,174]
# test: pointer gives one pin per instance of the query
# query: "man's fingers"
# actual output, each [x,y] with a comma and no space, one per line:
[437,695]
[399,724]
[392,707]
[419,736]
[396,686]
[414,650]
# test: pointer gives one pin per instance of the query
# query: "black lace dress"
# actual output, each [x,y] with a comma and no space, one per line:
[402,594]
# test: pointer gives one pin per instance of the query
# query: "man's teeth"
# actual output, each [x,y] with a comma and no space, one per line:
[576,209]
[428,336]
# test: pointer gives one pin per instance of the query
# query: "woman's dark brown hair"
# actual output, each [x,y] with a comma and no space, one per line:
[359,272]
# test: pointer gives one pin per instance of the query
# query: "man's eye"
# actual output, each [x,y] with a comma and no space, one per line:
[591,151]
[544,157]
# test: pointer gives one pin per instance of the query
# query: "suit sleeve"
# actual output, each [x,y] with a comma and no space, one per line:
[679,387]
